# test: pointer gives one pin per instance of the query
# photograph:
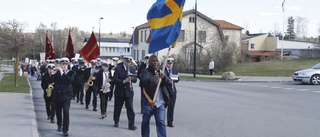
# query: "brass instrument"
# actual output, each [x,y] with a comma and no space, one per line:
[82,68]
[50,88]
[89,83]
[107,85]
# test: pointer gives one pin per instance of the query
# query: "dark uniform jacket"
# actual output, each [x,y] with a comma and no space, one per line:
[172,87]
[87,74]
[141,67]
[46,80]
[99,79]
[79,77]
[62,90]
[120,74]
[150,87]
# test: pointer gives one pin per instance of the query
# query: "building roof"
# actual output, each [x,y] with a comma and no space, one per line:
[253,35]
[112,40]
[227,25]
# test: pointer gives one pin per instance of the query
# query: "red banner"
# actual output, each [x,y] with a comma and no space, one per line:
[50,53]
[91,50]
[70,48]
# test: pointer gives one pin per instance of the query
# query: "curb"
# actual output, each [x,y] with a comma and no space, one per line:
[240,81]
[35,132]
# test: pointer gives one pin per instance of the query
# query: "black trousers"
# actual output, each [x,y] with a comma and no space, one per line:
[170,110]
[142,95]
[79,94]
[92,89]
[211,71]
[63,120]
[118,104]
[104,102]
[50,106]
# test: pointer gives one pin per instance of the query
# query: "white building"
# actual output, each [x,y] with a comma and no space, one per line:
[113,47]
[210,32]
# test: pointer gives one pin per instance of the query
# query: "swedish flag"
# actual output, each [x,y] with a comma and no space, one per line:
[164,18]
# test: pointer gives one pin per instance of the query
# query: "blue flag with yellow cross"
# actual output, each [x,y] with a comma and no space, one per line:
[164,18]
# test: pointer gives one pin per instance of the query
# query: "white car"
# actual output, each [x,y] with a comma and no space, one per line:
[309,76]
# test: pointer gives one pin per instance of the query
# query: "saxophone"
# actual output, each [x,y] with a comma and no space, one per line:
[89,83]
[107,85]
[50,88]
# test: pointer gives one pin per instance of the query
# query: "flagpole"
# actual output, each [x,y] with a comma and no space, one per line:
[160,79]
[99,33]
[195,40]
[132,48]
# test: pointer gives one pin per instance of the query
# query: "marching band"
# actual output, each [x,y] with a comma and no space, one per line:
[64,81]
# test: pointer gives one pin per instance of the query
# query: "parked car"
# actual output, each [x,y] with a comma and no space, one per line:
[308,76]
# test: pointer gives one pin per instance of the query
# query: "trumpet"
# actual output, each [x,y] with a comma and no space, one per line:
[50,88]
[82,68]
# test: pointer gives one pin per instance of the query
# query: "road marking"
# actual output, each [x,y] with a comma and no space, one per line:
[288,88]
[302,89]
[275,87]
[315,91]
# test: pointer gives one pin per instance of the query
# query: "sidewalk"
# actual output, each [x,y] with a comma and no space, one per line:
[17,113]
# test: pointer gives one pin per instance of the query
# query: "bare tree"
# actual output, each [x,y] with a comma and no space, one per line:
[14,42]
[301,27]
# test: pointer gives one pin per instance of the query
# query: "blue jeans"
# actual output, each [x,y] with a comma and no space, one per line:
[159,115]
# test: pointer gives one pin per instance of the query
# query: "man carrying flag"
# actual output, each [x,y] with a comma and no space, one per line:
[164,18]
[91,50]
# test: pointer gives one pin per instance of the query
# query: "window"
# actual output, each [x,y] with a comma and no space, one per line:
[251,46]
[226,38]
[141,36]
[143,53]
[191,19]
[181,36]
[202,36]
[145,36]
[128,49]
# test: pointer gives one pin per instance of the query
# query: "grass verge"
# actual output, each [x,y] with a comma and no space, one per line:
[7,84]
[203,78]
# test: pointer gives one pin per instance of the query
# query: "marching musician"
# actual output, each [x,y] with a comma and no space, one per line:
[74,67]
[124,92]
[89,75]
[111,69]
[149,80]
[172,74]
[47,79]
[104,80]
[62,94]
[79,80]
[99,61]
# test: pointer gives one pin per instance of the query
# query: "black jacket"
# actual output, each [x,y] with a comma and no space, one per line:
[141,67]
[150,87]
[99,79]
[172,86]
[120,74]
[46,80]
[62,90]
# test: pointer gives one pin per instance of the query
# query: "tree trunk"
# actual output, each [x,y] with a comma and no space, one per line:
[16,70]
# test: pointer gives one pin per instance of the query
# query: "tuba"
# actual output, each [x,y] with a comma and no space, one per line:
[50,88]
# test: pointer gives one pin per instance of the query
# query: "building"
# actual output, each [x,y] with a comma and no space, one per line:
[210,32]
[113,47]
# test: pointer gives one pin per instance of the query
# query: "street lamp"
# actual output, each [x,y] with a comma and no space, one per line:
[99,33]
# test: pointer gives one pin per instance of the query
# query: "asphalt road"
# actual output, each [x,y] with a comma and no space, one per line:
[208,109]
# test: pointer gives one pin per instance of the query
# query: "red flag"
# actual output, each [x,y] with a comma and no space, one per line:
[70,48]
[91,50]
[50,53]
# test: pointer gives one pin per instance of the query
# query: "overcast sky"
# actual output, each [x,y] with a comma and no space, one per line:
[121,15]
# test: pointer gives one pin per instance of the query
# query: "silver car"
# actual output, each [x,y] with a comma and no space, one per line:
[309,76]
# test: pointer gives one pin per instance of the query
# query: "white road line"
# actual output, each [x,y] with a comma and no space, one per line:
[315,91]
[302,89]
[275,87]
[288,88]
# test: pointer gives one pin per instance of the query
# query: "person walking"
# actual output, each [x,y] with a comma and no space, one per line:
[46,80]
[172,74]
[149,79]
[124,91]
[62,94]
[211,67]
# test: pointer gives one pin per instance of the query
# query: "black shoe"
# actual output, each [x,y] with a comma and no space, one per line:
[81,103]
[65,133]
[59,129]
[95,109]
[103,116]
[77,101]
[116,125]
[87,107]
[170,125]
[132,127]
[48,118]
[52,121]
